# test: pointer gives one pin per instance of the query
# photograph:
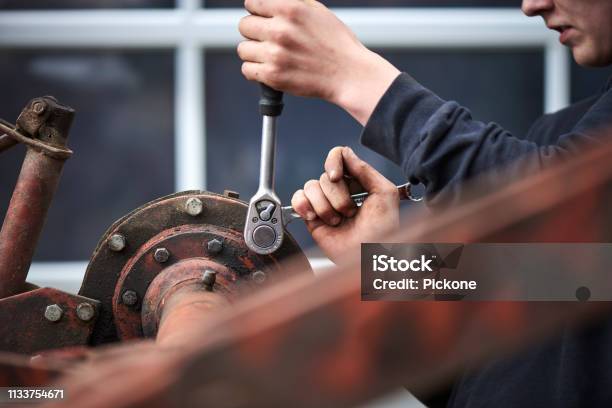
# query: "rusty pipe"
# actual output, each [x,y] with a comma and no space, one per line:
[182,294]
[49,123]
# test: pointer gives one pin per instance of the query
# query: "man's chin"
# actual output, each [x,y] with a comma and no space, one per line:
[587,57]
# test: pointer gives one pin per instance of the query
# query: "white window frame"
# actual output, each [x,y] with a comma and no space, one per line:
[190,29]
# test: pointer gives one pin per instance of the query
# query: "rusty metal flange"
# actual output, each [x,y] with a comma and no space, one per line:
[186,225]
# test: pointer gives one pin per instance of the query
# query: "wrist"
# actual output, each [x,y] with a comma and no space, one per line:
[367,80]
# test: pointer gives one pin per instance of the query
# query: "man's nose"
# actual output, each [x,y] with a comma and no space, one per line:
[536,7]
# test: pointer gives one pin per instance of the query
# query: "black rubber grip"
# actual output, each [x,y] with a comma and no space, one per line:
[271,102]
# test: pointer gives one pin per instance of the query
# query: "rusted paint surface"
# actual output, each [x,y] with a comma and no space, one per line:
[46,124]
[165,223]
[26,330]
[310,342]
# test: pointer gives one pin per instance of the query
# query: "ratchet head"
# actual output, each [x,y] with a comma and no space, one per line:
[264,229]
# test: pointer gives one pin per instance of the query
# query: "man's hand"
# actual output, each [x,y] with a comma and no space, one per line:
[301,47]
[332,218]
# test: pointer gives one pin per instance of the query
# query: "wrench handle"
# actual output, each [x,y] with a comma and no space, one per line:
[271,101]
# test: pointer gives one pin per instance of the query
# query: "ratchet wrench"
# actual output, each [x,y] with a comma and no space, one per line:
[264,229]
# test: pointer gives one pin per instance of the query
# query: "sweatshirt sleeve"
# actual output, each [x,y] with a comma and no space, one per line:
[437,143]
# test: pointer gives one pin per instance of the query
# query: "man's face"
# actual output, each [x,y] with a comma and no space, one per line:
[584,25]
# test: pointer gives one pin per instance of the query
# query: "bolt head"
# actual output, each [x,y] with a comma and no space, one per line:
[116,242]
[215,246]
[194,206]
[259,277]
[39,107]
[161,255]
[129,298]
[53,313]
[85,311]
[209,277]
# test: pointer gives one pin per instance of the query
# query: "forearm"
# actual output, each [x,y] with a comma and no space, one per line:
[438,143]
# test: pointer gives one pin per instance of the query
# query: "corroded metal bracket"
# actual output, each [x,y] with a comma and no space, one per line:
[43,127]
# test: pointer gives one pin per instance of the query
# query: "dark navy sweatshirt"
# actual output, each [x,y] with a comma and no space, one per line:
[437,143]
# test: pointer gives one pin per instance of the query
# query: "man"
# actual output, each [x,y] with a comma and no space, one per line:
[302,48]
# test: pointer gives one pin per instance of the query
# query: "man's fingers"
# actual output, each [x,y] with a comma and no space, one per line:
[338,196]
[271,8]
[252,71]
[254,27]
[333,164]
[251,51]
[320,203]
[302,206]
[365,174]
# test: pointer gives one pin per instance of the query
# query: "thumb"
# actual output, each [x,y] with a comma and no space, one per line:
[371,180]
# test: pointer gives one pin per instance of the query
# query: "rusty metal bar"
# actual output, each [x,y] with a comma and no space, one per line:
[48,123]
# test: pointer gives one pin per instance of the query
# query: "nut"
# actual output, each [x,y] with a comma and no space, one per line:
[129,298]
[53,313]
[116,242]
[215,246]
[259,277]
[161,255]
[85,311]
[194,206]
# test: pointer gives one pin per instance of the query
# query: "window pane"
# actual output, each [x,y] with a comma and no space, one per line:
[502,87]
[389,3]
[80,4]
[122,137]
[588,81]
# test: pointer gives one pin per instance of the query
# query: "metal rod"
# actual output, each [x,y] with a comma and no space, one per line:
[268,146]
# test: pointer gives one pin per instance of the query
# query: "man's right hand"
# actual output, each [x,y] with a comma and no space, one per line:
[301,47]
[332,218]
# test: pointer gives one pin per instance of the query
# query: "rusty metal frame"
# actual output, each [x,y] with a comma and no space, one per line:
[43,127]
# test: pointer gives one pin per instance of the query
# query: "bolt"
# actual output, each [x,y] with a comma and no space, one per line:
[259,277]
[215,246]
[85,311]
[194,206]
[161,255]
[116,242]
[53,313]
[130,298]
[39,107]
[209,278]
[231,194]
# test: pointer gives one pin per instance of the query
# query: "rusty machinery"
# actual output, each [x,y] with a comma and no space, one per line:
[186,248]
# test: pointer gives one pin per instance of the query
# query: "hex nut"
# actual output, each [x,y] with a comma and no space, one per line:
[129,298]
[116,242]
[194,206]
[215,246]
[259,277]
[85,311]
[53,313]
[161,255]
